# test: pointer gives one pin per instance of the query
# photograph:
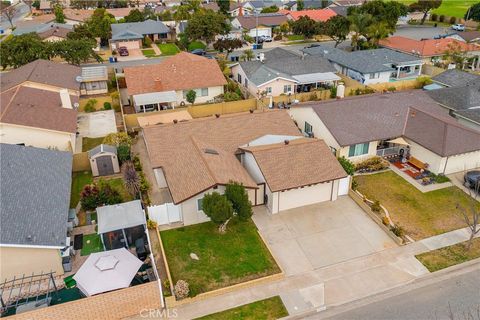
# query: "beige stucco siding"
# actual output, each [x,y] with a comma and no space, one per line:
[19,261]
[35,137]
[277,85]
[212,93]
[372,151]
[461,162]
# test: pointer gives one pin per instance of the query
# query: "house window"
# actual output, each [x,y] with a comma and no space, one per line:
[200,204]
[239,78]
[358,149]
[246,82]
[204,92]
[308,128]
[200,92]
[268,90]
[374,75]
[287,88]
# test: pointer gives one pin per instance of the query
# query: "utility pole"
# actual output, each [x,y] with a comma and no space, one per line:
[256,29]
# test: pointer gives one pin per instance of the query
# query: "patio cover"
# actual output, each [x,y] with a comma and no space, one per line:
[120,216]
[107,271]
[316,77]
[399,140]
[154,97]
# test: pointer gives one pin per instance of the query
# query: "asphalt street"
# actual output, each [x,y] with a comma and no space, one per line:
[457,298]
[22,10]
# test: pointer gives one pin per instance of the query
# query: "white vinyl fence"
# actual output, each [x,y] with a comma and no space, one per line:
[165,213]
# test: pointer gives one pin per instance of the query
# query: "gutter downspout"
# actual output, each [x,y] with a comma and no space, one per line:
[445,167]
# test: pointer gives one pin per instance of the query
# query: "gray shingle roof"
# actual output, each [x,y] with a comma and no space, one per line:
[102,148]
[125,31]
[283,63]
[456,78]
[364,61]
[35,195]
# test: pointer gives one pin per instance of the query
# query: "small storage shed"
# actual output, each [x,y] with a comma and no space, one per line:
[103,160]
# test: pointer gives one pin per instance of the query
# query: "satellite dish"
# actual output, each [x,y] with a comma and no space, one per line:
[79,78]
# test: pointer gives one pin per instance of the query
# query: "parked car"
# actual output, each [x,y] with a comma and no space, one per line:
[199,52]
[313,45]
[458,27]
[472,179]
[123,51]
[266,38]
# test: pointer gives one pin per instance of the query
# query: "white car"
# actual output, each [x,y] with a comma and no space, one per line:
[458,27]
[266,38]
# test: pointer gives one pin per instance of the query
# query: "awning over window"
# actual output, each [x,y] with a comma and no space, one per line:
[316,77]
[154,97]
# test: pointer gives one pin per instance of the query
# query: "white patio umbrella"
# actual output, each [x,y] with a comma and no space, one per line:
[106,271]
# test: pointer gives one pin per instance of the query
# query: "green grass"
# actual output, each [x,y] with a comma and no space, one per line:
[91,244]
[420,214]
[267,309]
[148,53]
[226,259]
[168,49]
[449,256]
[79,180]
[118,185]
[90,143]
[454,8]
[196,45]
[295,37]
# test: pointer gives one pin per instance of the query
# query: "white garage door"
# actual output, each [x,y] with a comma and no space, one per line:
[261,32]
[129,44]
[304,196]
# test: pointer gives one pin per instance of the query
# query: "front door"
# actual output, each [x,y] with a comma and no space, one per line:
[105,165]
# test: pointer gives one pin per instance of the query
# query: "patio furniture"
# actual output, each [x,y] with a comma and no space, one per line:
[417,163]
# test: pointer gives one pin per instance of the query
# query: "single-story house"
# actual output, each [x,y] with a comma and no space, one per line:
[34,206]
[166,84]
[38,105]
[361,127]
[307,5]
[281,71]
[466,36]
[201,156]
[131,34]
[455,78]
[94,80]
[45,7]
[266,22]
[431,49]
[47,32]
[252,7]
[103,160]
[314,14]
[371,66]
[119,13]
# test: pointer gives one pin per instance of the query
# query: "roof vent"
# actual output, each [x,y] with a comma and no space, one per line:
[157,79]
[29,237]
[251,110]
[413,114]
[211,151]
[286,142]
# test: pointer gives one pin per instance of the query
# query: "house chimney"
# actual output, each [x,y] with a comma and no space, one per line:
[65,98]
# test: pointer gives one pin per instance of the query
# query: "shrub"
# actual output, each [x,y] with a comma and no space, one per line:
[397,230]
[277,37]
[333,92]
[385,221]
[130,179]
[144,185]
[313,97]
[123,153]
[354,184]
[152,225]
[391,89]
[372,164]
[238,196]
[107,106]
[347,165]
[108,195]
[453,20]
[423,81]
[182,289]
[434,17]
[376,206]
[97,194]
[218,209]
[231,96]
[117,139]
[90,106]
[147,42]
[137,163]
[441,18]
[89,197]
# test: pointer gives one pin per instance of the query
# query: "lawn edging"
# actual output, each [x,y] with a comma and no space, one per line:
[172,302]
[357,197]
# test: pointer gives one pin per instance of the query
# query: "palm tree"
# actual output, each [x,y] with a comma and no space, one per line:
[130,178]
[359,23]
[249,55]
[376,32]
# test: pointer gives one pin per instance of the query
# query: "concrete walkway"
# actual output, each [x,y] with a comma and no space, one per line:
[335,284]
[156,49]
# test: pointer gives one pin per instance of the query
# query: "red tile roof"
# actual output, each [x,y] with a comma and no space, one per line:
[425,48]
[181,72]
[317,15]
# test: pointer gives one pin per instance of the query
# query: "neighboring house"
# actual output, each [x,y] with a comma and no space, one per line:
[252,7]
[431,50]
[38,103]
[307,5]
[130,35]
[315,14]
[260,25]
[361,127]
[258,150]
[47,32]
[466,36]
[371,66]
[94,80]
[45,7]
[281,71]
[456,78]
[119,13]
[34,206]
[165,85]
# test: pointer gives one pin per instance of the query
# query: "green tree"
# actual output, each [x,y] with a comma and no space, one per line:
[80,31]
[20,50]
[347,165]
[59,15]
[99,24]
[426,5]
[300,5]
[359,22]
[118,139]
[205,25]
[376,32]
[75,51]
[238,196]
[182,13]
[337,28]
[473,12]
[227,45]
[271,9]
[218,209]
[36,4]
[248,54]
[191,96]
[381,11]
[134,15]
[166,15]
[224,6]
[304,26]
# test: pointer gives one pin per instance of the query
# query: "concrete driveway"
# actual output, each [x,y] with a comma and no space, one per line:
[311,237]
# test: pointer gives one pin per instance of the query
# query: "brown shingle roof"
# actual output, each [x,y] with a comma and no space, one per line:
[56,31]
[45,72]
[188,169]
[181,72]
[37,108]
[299,163]
[270,20]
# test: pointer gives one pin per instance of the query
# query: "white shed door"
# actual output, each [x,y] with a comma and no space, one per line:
[304,196]
[343,186]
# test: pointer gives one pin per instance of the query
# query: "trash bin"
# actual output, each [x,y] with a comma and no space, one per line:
[111,59]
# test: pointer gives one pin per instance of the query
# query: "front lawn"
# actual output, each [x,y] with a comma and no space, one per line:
[148,53]
[295,37]
[168,49]
[196,45]
[91,244]
[90,143]
[454,8]
[226,259]
[268,309]
[422,215]
[79,180]
[449,256]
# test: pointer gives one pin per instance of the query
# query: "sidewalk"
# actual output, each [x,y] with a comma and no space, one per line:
[336,284]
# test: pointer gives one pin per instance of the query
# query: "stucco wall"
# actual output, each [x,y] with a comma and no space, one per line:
[372,151]
[19,261]
[251,87]
[434,161]
[277,86]
[212,93]
[462,162]
[40,138]
[252,168]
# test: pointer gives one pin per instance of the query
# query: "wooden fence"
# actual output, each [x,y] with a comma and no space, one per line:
[431,70]
[81,162]
[98,106]
[398,85]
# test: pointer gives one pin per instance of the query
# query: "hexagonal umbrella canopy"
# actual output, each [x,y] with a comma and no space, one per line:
[107,271]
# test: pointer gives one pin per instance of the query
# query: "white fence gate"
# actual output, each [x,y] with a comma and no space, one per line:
[165,213]
[343,186]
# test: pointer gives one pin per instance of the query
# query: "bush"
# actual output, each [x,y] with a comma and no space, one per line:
[123,153]
[397,230]
[151,224]
[117,139]
[354,184]
[98,194]
[434,17]
[385,221]
[333,92]
[90,106]
[391,89]
[137,163]
[278,37]
[372,164]
[441,18]
[347,165]
[423,81]
[218,209]
[144,185]
[182,289]
[376,206]
[147,42]
[238,196]
[107,106]
[231,96]
[453,20]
